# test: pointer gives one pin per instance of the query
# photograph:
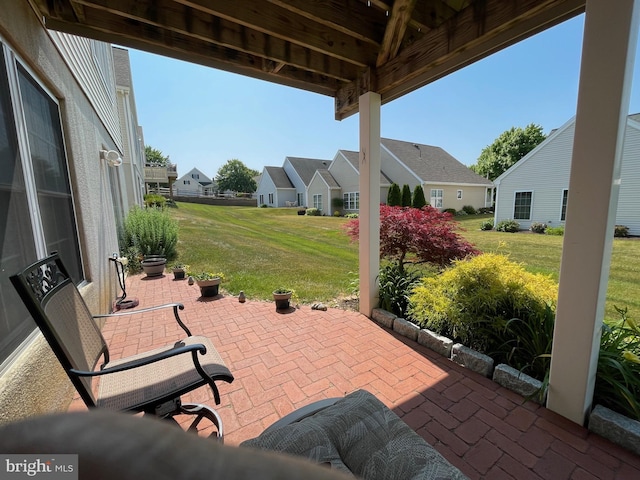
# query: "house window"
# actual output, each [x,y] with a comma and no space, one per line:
[187,182]
[271,198]
[351,200]
[563,210]
[195,176]
[300,199]
[36,208]
[522,206]
[459,195]
[317,201]
[436,197]
[261,200]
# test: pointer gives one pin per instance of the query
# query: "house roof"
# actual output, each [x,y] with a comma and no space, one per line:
[354,159]
[279,177]
[433,164]
[328,178]
[306,167]
[339,48]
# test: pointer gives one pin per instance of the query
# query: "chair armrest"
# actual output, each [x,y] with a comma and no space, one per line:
[175,306]
[172,352]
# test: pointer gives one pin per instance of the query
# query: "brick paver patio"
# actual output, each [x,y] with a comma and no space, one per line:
[284,361]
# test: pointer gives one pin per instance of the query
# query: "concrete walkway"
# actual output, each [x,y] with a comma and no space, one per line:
[282,361]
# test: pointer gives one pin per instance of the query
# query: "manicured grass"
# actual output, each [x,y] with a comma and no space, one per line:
[261,249]
[542,254]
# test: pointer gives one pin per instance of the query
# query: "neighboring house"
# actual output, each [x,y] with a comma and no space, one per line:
[287,186]
[59,108]
[194,183]
[447,183]
[536,188]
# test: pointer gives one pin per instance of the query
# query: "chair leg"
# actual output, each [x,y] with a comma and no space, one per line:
[203,412]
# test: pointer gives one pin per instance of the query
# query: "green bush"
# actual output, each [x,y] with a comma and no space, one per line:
[351,215]
[486,225]
[461,213]
[313,212]
[154,200]
[621,231]
[618,375]
[264,205]
[406,195]
[537,227]
[395,286]
[509,226]
[473,300]
[452,211]
[485,210]
[469,210]
[558,231]
[150,231]
[394,197]
[418,200]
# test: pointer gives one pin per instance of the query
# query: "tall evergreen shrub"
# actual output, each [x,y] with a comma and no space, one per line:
[418,197]
[394,197]
[406,195]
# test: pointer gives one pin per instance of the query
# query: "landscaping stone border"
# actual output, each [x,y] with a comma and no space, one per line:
[611,425]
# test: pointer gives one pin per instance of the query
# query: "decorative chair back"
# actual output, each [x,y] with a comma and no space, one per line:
[60,312]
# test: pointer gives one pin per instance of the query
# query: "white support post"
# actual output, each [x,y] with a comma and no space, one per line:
[369,163]
[610,37]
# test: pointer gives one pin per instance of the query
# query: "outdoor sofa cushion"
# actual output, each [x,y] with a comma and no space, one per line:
[360,435]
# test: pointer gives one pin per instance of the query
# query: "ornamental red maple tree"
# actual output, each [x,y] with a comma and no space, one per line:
[426,234]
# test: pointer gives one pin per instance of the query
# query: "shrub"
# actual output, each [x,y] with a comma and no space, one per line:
[558,231]
[337,213]
[150,231]
[461,213]
[469,210]
[485,210]
[486,225]
[313,212]
[621,231]
[450,211]
[509,226]
[418,200]
[406,195]
[351,215]
[474,299]
[395,287]
[264,205]
[537,227]
[426,235]
[618,375]
[154,200]
[394,197]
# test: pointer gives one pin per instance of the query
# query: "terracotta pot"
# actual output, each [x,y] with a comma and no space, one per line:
[209,288]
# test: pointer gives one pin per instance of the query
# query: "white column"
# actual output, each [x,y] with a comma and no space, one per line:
[369,200]
[610,37]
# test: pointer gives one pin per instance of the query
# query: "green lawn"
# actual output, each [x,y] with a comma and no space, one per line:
[261,249]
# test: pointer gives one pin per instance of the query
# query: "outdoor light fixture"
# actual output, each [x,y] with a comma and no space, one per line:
[112,157]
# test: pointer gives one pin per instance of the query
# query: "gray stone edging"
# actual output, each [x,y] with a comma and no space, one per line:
[616,427]
[471,359]
[519,382]
[406,328]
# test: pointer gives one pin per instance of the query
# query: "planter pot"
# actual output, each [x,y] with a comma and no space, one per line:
[179,274]
[154,266]
[282,300]
[209,288]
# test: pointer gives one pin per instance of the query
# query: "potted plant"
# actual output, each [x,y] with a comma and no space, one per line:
[179,270]
[209,282]
[153,265]
[282,297]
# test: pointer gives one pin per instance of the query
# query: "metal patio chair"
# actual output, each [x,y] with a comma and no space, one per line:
[150,382]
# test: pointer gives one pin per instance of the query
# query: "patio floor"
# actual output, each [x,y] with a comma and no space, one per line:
[284,361]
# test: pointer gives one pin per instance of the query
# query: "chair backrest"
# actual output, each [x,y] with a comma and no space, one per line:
[59,310]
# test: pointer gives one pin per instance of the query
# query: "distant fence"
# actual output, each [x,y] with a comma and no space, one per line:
[230,201]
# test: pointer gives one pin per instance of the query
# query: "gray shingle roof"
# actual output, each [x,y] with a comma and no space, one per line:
[279,177]
[306,167]
[328,178]
[354,159]
[433,164]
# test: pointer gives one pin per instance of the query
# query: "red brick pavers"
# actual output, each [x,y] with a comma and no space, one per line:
[284,361]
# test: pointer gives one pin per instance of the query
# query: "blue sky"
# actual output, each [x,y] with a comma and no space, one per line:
[203,117]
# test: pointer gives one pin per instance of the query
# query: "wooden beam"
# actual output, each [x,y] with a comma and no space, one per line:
[291,27]
[351,17]
[181,47]
[396,28]
[469,37]
[168,15]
